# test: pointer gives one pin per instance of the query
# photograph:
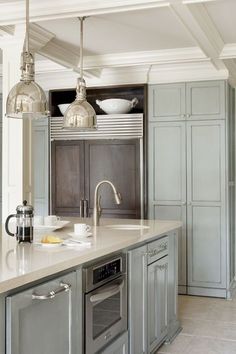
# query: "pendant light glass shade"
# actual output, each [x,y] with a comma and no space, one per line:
[27,99]
[80,114]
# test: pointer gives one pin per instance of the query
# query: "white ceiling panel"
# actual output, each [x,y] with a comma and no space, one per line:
[124,32]
[223,15]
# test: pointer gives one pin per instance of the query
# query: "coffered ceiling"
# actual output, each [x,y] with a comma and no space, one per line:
[166,40]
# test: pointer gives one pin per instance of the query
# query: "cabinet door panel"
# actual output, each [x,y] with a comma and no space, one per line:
[206,100]
[167,161]
[206,144]
[167,102]
[176,212]
[167,179]
[205,246]
[157,302]
[42,326]
[119,162]
[67,177]
[137,301]
[206,204]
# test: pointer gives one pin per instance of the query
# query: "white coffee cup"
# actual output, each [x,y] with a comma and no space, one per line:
[38,220]
[51,220]
[81,229]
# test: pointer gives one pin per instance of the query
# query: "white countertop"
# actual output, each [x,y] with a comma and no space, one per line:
[25,263]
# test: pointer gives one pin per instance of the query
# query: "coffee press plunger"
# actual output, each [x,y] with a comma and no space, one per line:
[24,223]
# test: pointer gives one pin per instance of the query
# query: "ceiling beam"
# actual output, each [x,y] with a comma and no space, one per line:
[197,21]
[46,44]
[14,11]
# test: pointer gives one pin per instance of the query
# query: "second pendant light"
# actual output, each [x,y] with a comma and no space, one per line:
[80,114]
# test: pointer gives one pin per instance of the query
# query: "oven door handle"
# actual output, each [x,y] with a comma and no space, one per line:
[110,291]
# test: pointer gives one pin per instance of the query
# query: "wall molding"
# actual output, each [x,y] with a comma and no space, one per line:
[56,77]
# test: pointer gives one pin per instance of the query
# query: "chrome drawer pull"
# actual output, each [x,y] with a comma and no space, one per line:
[63,288]
[162,267]
[160,249]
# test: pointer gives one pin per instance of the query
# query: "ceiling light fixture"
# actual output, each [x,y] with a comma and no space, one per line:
[80,114]
[27,99]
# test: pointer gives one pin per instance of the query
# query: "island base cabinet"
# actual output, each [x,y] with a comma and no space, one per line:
[137,307]
[119,346]
[43,319]
[157,302]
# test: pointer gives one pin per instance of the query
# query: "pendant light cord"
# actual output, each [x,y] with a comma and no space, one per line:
[27,26]
[81,47]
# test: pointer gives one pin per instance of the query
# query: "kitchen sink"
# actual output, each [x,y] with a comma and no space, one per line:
[127,227]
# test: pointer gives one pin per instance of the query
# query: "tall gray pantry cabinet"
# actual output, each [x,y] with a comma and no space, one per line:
[192,179]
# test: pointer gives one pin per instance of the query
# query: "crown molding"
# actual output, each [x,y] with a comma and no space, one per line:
[229,51]
[144,57]
[151,74]
[231,66]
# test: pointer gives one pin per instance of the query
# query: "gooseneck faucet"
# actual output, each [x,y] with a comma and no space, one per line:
[97,210]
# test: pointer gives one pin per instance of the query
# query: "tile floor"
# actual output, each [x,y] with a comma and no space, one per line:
[209,327]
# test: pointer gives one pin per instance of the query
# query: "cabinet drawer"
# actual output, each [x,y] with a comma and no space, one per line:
[157,249]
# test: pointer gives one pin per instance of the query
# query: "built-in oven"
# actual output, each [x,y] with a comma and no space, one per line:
[105,302]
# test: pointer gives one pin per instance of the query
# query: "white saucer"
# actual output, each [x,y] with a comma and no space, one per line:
[73,235]
[49,245]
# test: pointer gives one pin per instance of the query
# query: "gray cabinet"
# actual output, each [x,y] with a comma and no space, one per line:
[167,102]
[137,300]
[205,100]
[167,182]
[35,318]
[40,148]
[191,101]
[192,179]
[206,204]
[157,302]
[119,346]
[153,278]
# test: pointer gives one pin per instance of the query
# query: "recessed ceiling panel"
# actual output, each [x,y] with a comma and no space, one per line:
[153,29]
[223,15]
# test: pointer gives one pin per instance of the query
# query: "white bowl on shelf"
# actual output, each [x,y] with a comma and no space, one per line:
[63,107]
[117,105]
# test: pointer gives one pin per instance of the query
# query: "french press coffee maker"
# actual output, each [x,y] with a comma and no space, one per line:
[24,223]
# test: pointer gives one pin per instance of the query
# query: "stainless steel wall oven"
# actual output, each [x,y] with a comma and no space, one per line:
[105,302]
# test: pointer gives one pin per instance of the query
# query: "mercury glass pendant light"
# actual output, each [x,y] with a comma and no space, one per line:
[80,114]
[27,99]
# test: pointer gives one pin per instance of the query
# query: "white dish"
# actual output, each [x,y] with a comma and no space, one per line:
[63,107]
[60,224]
[49,245]
[75,236]
[117,105]
[72,242]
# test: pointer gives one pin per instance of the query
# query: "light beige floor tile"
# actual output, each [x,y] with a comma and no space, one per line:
[209,327]
[178,346]
[200,345]
[214,329]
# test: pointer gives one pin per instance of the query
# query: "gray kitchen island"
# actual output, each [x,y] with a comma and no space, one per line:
[43,297]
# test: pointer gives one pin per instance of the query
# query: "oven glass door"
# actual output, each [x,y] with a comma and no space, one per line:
[106,316]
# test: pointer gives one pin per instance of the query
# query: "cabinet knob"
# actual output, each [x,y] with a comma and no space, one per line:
[182,116]
[183,203]
[188,115]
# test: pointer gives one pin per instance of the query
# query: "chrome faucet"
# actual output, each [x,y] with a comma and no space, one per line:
[97,210]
